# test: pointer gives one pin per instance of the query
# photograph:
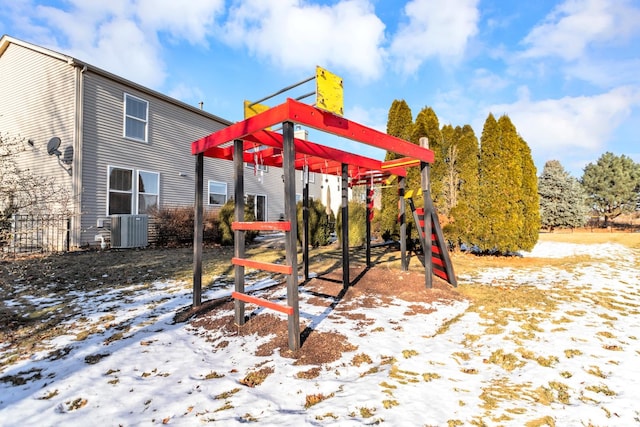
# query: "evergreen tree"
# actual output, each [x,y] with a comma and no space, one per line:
[464,214]
[530,200]
[508,207]
[562,199]
[399,124]
[427,125]
[491,181]
[451,177]
[612,185]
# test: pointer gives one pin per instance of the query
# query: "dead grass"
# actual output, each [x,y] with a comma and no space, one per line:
[630,239]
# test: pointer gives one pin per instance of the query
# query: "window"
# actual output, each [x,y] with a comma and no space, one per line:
[217,193]
[148,191]
[259,204]
[135,117]
[312,177]
[123,199]
[257,164]
[120,191]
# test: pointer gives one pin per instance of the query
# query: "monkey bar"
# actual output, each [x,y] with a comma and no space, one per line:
[250,139]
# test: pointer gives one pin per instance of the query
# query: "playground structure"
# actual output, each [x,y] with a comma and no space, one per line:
[239,143]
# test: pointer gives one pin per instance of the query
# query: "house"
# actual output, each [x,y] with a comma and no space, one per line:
[118,147]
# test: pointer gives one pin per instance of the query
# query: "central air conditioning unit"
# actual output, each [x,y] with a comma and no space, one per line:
[129,231]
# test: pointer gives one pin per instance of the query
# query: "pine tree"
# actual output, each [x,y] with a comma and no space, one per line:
[562,199]
[502,166]
[399,124]
[530,200]
[464,214]
[427,125]
[612,185]
[490,183]
[451,178]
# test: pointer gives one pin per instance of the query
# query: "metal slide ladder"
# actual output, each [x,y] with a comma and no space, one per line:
[440,260]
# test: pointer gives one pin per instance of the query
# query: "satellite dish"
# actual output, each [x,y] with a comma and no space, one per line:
[52,146]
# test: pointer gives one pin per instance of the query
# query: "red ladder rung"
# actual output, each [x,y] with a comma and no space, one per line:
[261,225]
[259,265]
[286,309]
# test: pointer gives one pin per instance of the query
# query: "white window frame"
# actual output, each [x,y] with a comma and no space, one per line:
[137,191]
[138,119]
[226,192]
[312,177]
[135,181]
[255,205]
[257,166]
[109,190]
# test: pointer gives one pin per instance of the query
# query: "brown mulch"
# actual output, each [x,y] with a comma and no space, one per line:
[373,288]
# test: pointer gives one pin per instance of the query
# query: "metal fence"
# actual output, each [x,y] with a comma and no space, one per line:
[30,234]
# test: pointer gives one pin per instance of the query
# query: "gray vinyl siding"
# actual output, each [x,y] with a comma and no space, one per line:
[171,129]
[37,103]
[38,93]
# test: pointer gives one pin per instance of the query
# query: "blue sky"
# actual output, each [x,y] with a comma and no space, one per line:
[566,72]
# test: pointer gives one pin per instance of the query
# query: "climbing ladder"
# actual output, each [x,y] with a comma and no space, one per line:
[286,269]
[440,261]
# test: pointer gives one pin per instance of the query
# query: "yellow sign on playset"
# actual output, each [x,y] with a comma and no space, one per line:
[329,91]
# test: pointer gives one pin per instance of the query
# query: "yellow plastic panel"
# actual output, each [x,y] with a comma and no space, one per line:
[329,92]
[254,109]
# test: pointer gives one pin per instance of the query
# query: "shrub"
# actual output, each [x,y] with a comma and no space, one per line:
[320,224]
[226,217]
[175,225]
[357,224]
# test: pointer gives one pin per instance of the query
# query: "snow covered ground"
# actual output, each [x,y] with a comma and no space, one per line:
[123,361]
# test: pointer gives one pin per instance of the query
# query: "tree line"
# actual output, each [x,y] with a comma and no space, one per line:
[487,192]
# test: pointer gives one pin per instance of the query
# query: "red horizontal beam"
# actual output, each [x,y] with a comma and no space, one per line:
[262,225]
[324,121]
[239,130]
[328,122]
[286,309]
[259,265]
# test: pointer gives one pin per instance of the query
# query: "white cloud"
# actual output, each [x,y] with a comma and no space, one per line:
[122,36]
[344,36]
[192,20]
[575,25]
[435,29]
[605,72]
[583,123]
[488,81]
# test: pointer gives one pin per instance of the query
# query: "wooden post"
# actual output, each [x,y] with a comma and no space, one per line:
[404,261]
[238,235]
[197,232]
[305,220]
[345,225]
[368,213]
[290,242]
[428,213]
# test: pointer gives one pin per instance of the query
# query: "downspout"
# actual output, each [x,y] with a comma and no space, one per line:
[76,184]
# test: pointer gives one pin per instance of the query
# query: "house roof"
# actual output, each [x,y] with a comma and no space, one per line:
[7,40]
[263,146]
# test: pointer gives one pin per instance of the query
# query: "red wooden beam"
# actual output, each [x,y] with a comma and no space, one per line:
[262,225]
[328,122]
[259,265]
[324,121]
[286,309]
[239,130]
